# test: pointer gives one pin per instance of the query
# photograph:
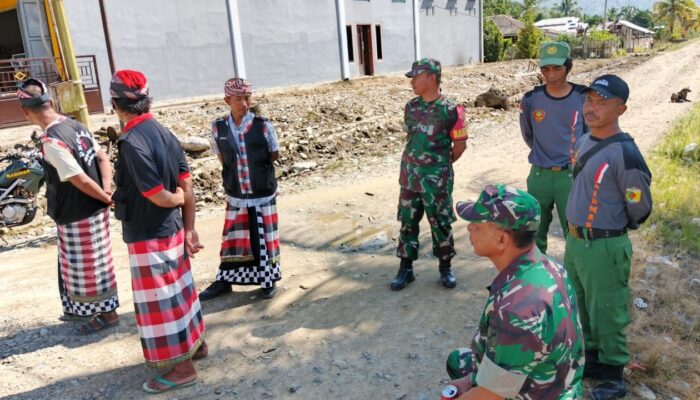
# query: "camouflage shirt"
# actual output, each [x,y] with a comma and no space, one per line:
[529,344]
[426,163]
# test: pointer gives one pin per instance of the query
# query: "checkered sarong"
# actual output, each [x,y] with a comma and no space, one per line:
[86,280]
[250,247]
[166,305]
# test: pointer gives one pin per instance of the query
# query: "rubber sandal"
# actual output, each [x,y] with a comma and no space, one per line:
[72,318]
[87,328]
[170,385]
[196,356]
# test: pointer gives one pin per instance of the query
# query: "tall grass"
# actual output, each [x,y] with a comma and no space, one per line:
[676,187]
[665,337]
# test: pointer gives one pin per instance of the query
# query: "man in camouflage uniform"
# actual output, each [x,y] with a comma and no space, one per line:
[529,344]
[437,137]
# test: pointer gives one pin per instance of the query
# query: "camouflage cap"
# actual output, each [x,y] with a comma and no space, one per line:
[554,53]
[425,65]
[504,205]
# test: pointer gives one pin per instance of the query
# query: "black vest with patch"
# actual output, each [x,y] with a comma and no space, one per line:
[65,202]
[261,169]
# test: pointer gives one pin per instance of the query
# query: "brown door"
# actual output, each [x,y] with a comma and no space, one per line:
[364,43]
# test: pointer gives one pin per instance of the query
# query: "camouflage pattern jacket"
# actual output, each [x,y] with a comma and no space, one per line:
[426,163]
[529,344]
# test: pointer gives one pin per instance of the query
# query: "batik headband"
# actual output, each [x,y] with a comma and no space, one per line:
[237,87]
[127,84]
[26,99]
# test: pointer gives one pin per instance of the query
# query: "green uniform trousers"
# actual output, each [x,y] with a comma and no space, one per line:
[441,215]
[550,188]
[599,271]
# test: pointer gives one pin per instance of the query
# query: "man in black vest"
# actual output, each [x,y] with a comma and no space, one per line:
[79,186]
[246,145]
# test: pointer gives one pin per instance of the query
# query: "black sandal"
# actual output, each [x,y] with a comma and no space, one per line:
[88,329]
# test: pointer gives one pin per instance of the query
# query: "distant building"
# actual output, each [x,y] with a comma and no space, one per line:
[634,37]
[564,25]
[508,26]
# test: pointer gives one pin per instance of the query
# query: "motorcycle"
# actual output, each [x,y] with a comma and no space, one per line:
[20,182]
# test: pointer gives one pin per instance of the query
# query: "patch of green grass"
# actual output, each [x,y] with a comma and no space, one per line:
[676,187]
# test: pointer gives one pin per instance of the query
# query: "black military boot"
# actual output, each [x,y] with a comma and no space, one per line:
[593,367]
[404,276]
[214,290]
[612,384]
[446,276]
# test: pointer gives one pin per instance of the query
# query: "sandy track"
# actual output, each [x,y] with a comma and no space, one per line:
[344,334]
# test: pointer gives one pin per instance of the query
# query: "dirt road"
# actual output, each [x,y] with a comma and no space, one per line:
[334,330]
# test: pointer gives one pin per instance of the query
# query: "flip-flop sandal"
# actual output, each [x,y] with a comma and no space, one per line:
[197,356]
[87,328]
[169,385]
[72,318]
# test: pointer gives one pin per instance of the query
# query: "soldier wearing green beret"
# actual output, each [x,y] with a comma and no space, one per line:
[551,122]
[529,343]
[437,136]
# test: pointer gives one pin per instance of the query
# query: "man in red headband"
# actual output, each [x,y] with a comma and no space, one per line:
[79,185]
[247,147]
[153,185]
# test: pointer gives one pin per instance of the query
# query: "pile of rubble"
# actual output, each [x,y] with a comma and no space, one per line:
[329,126]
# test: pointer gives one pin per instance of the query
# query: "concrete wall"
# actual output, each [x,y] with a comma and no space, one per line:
[182,46]
[289,42]
[186,51]
[450,35]
[396,21]
[88,37]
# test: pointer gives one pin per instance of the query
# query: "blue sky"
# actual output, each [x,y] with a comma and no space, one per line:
[596,6]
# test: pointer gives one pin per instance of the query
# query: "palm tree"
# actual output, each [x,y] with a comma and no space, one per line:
[674,12]
[613,13]
[567,7]
[628,12]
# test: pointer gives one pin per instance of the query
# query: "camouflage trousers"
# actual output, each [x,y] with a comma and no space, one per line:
[438,208]
[461,362]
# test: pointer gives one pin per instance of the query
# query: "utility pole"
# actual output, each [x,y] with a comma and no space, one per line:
[605,14]
[81,113]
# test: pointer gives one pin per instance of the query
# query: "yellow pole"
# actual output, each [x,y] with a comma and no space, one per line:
[71,64]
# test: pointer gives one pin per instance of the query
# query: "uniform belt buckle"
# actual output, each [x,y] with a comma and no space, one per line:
[556,169]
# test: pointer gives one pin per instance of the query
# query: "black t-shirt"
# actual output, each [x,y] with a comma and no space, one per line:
[151,159]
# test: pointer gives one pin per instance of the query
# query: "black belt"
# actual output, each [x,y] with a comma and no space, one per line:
[593,233]
[557,168]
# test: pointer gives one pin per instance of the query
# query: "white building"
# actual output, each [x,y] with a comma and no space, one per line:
[188,48]
[564,25]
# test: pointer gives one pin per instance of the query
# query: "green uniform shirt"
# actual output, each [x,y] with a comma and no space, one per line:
[426,163]
[529,344]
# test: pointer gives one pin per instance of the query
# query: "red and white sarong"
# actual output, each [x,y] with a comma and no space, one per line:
[250,247]
[168,314]
[86,280]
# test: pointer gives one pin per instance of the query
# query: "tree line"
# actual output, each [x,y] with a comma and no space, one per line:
[670,19]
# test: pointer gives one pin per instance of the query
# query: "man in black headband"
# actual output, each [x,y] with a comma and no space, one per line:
[79,185]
